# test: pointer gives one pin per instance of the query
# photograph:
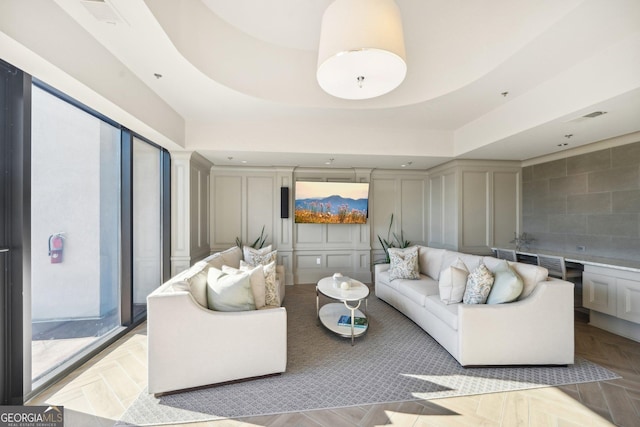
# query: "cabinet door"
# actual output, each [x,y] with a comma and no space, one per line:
[629,300]
[599,293]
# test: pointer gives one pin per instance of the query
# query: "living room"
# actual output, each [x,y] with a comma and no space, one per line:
[535,132]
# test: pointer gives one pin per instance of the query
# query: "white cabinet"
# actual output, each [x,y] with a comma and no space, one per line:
[599,293]
[613,296]
[629,300]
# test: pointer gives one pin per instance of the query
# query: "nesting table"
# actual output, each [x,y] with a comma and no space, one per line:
[349,304]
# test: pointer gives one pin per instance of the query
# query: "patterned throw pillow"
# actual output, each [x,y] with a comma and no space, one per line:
[404,263]
[254,256]
[272,293]
[479,285]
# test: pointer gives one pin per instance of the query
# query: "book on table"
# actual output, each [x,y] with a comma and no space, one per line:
[358,322]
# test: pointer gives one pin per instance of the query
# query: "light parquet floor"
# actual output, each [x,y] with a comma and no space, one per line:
[99,392]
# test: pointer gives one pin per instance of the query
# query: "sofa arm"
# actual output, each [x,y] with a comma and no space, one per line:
[379,268]
[190,346]
[536,330]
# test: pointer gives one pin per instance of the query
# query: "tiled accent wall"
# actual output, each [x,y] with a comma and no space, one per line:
[590,200]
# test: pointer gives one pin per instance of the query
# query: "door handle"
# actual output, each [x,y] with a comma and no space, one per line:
[4,250]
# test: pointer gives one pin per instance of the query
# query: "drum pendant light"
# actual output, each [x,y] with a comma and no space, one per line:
[361,53]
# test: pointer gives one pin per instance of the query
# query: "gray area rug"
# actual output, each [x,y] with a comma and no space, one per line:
[395,361]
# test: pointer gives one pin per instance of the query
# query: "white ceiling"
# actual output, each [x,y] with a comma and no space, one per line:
[241,74]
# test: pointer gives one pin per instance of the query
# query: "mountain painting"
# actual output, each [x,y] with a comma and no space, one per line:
[331,202]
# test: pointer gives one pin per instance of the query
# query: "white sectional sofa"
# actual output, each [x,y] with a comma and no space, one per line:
[536,329]
[190,345]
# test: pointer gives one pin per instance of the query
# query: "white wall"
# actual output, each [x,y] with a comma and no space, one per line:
[244,199]
[474,205]
[190,214]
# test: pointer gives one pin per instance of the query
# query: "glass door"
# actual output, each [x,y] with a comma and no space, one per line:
[75,233]
[147,223]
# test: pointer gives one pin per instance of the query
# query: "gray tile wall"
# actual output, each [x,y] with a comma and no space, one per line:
[590,200]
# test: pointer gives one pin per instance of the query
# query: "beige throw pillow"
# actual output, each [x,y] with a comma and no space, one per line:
[453,282]
[271,291]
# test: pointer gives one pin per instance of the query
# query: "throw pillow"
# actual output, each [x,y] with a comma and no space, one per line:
[507,285]
[272,293]
[479,285]
[250,254]
[256,278]
[229,292]
[404,263]
[453,282]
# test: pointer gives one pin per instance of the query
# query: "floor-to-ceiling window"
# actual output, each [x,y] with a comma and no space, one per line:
[91,197]
[75,200]
[147,222]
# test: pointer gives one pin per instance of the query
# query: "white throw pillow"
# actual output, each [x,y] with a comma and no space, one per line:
[507,285]
[256,278]
[453,282]
[404,263]
[253,256]
[479,285]
[229,292]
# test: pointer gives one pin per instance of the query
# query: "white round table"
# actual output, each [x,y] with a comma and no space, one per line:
[355,323]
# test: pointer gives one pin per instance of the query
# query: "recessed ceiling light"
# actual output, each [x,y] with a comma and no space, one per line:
[505,93]
[330,161]
[406,164]
[563,144]
[243,161]
[157,75]
[569,135]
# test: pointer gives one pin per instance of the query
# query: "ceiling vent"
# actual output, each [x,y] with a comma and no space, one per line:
[103,11]
[587,117]
[594,114]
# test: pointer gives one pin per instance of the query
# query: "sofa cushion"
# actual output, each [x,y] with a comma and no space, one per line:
[478,286]
[230,257]
[196,278]
[383,277]
[446,313]
[229,292]
[453,282]
[530,274]
[417,290]
[256,278]
[471,261]
[404,263]
[250,254]
[507,285]
[430,261]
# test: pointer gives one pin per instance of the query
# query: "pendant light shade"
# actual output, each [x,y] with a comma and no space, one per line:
[361,53]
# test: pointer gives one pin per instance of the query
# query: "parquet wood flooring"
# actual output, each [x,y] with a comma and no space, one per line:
[99,392]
